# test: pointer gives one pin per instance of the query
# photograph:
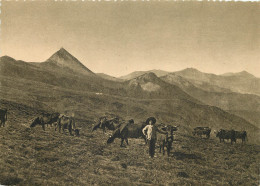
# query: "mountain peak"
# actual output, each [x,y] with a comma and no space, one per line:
[63,59]
[240,74]
[245,73]
[6,58]
[62,53]
[150,76]
[191,70]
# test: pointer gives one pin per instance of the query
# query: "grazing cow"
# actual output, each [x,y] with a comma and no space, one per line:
[105,123]
[45,119]
[241,135]
[131,131]
[3,116]
[166,140]
[66,122]
[226,134]
[199,131]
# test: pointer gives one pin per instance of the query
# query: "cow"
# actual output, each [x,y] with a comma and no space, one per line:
[3,116]
[166,140]
[66,122]
[226,134]
[199,131]
[45,119]
[104,123]
[131,131]
[241,135]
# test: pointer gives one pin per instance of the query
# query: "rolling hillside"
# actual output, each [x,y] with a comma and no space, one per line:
[36,157]
[229,101]
[57,89]
[31,156]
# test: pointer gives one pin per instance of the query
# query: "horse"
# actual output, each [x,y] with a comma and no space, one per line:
[105,123]
[131,131]
[45,119]
[66,122]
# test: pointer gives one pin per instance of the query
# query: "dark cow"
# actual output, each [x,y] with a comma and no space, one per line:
[131,131]
[45,119]
[241,135]
[66,122]
[3,116]
[166,140]
[226,134]
[199,131]
[105,123]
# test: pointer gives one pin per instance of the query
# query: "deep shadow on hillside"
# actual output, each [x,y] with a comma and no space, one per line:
[34,157]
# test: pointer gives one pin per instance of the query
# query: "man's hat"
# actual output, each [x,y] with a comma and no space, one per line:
[151,119]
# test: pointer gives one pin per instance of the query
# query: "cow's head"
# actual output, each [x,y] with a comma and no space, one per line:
[110,139]
[35,122]
[217,132]
[55,116]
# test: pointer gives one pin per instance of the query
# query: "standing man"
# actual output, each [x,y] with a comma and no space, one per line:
[150,132]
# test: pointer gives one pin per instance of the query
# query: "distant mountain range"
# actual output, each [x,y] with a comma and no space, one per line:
[187,97]
[135,74]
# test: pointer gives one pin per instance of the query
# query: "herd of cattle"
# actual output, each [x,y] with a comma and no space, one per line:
[125,129]
[222,134]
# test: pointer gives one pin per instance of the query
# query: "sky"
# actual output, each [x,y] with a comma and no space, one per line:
[118,38]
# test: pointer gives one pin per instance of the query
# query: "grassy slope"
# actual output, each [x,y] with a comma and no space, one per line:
[34,157]
[89,106]
[244,105]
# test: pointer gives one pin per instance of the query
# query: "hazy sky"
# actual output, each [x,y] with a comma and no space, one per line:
[120,37]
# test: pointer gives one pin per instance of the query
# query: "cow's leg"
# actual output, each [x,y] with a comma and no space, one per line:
[126,140]
[70,129]
[160,148]
[122,141]
[59,125]
[163,147]
[169,146]
[43,126]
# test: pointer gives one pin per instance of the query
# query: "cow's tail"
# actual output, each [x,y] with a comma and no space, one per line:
[246,138]
[73,125]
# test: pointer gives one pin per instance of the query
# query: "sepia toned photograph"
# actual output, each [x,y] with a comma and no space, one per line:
[142,92]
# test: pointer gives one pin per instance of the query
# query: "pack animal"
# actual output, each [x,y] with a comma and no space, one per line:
[166,140]
[241,135]
[45,119]
[131,131]
[226,134]
[65,122]
[104,124]
[199,131]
